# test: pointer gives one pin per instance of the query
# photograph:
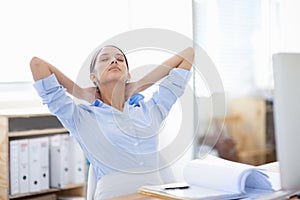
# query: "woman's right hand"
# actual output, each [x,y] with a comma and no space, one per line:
[130,89]
[89,94]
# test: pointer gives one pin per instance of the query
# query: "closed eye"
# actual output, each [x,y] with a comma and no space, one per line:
[104,59]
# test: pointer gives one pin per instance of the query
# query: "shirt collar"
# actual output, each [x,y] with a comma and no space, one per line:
[134,100]
[98,103]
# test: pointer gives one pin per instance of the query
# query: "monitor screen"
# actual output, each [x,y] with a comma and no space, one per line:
[287,117]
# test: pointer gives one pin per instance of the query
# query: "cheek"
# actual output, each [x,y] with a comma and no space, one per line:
[124,66]
[100,68]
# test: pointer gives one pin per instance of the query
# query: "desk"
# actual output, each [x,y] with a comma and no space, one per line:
[136,197]
[145,197]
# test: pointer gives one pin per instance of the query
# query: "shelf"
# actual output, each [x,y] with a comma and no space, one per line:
[36,132]
[72,186]
[25,112]
[68,187]
[29,123]
[16,196]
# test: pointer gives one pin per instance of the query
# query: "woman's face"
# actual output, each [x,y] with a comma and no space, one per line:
[110,66]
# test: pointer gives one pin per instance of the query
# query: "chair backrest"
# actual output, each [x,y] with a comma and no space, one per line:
[165,175]
[91,183]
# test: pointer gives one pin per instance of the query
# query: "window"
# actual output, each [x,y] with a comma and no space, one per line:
[237,36]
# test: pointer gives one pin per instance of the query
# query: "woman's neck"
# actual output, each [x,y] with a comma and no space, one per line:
[113,94]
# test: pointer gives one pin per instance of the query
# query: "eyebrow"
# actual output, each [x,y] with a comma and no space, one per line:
[117,54]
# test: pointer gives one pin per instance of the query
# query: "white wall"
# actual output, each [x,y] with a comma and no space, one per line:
[175,15]
[61,32]
[65,32]
[289,30]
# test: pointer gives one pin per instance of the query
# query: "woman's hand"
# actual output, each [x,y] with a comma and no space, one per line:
[130,89]
[89,94]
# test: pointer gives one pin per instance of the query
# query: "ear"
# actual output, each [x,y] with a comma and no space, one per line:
[93,78]
[128,77]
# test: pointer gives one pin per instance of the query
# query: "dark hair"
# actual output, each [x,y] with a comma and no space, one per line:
[93,62]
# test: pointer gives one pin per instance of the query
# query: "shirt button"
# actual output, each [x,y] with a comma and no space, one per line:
[136,143]
[141,163]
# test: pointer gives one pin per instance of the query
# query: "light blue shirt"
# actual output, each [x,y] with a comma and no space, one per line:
[114,140]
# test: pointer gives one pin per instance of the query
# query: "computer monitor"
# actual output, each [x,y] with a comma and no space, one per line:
[287,117]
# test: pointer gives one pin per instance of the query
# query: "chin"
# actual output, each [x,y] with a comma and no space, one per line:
[112,80]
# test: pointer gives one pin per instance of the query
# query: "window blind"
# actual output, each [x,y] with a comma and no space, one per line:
[235,35]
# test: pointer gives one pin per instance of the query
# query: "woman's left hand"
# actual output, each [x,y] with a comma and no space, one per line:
[90,94]
[130,89]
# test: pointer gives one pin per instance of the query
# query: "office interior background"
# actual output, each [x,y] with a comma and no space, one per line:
[239,36]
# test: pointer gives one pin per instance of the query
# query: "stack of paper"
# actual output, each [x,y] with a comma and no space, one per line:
[213,177]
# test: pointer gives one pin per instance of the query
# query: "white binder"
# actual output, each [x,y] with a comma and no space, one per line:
[44,175]
[14,167]
[77,163]
[65,154]
[59,160]
[34,164]
[23,165]
[55,162]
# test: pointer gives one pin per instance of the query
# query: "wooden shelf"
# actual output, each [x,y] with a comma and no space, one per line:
[25,112]
[52,190]
[28,123]
[36,132]
[16,196]
[73,186]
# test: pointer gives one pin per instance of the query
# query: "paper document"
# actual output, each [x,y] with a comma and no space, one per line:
[213,177]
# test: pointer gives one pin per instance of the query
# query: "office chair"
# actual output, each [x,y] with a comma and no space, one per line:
[91,183]
[164,176]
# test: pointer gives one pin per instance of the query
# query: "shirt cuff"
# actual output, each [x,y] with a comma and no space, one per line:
[182,74]
[46,84]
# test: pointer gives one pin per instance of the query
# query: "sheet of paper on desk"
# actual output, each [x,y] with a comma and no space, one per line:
[216,178]
[193,192]
[274,178]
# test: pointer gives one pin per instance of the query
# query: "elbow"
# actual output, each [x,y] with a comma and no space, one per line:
[39,68]
[35,67]
[190,55]
[34,63]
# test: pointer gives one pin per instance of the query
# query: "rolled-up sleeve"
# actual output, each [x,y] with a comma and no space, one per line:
[170,89]
[59,103]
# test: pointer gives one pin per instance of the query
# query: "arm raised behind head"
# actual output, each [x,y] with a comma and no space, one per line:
[183,59]
[41,69]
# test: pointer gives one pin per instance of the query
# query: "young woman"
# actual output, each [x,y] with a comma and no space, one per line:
[118,131]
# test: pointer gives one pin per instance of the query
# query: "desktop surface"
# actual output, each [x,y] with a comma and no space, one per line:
[136,197]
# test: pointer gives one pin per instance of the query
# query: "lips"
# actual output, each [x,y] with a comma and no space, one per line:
[114,68]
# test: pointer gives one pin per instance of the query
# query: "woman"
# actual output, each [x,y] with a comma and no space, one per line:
[117,131]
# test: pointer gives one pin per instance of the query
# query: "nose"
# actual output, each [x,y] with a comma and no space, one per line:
[114,61]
